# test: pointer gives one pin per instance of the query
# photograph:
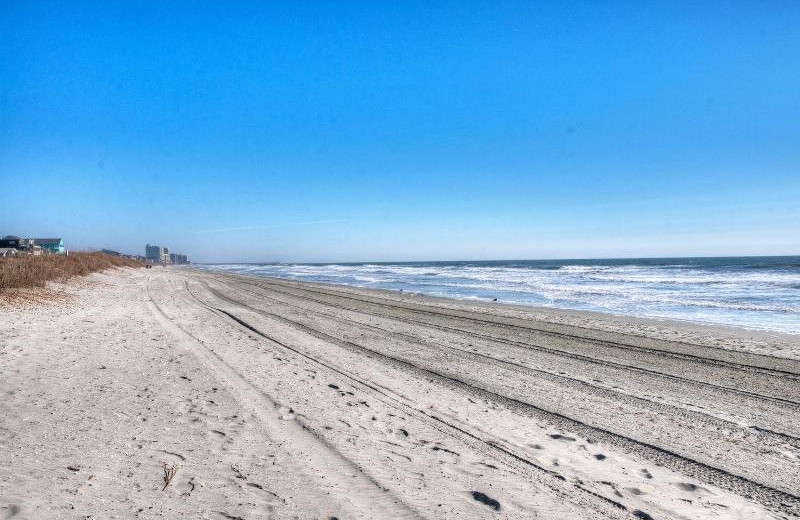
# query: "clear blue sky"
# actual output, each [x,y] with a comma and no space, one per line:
[338,131]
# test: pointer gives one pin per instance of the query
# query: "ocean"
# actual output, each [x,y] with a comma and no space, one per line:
[752,292]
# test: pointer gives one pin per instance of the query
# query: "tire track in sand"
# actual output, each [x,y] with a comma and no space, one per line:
[776,499]
[355,488]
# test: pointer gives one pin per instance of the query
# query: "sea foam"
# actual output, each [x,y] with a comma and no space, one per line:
[752,292]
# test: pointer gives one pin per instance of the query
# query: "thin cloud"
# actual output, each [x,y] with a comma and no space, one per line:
[272,226]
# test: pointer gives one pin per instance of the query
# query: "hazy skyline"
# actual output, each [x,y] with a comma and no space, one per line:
[383,131]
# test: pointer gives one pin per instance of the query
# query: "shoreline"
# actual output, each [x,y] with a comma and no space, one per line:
[272,398]
[734,337]
[755,293]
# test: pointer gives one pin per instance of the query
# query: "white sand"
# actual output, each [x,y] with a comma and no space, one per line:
[275,399]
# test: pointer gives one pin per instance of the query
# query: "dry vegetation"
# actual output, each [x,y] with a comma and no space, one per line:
[24,271]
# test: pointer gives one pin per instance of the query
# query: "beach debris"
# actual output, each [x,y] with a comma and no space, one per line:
[439,448]
[74,468]
[173,454]
[238,473]
[169,474]
[229,516]
[483,498]
[192,485]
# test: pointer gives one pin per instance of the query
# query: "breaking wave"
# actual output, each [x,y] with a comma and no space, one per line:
[759,293]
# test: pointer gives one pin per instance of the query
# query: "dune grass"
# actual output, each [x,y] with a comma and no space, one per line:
[24,271]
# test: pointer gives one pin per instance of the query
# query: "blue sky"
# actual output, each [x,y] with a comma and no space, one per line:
[347,131]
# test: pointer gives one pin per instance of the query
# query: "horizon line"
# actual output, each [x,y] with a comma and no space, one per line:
[506,260]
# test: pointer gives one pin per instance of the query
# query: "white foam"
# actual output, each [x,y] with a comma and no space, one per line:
[757,298]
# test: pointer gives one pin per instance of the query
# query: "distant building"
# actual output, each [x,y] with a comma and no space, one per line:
[13,241]
[162,255]
[8,251]
[156,254]
[54,245]
[175,258]
[33,246]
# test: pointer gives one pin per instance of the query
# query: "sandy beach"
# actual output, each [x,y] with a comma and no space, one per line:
[181,393]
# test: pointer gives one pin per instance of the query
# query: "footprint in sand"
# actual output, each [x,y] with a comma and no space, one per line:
[688,486]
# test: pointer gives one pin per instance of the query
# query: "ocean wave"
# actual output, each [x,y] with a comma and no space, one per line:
[744,292]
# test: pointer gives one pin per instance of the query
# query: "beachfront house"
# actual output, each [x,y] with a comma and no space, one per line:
[8,251]
[12,241]
[54,245]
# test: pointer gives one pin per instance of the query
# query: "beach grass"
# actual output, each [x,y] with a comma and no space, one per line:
[24,271]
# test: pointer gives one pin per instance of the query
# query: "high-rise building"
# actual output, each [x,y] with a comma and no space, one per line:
[176,258]
[154,253]
[162,255]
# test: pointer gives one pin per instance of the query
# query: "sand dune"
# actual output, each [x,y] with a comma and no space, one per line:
[265,398]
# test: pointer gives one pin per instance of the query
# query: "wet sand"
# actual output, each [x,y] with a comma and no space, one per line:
[189,394]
